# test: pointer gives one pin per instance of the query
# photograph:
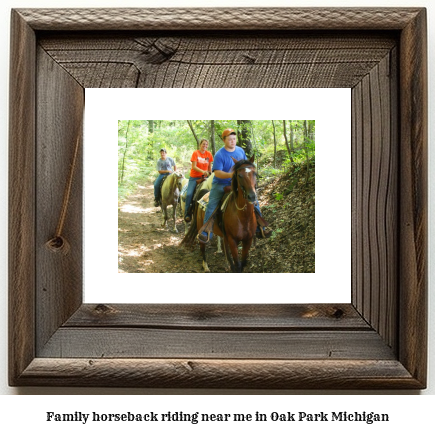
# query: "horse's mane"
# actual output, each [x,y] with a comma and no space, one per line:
[236,167]
[171,183]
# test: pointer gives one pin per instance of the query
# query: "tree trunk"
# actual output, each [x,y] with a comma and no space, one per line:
[257,153]
[292,138]
[310,130]
[125,152]
[306,150]
[150,150]
[194,134]
[244,140]
[286,142]
[274,145]
[213,144]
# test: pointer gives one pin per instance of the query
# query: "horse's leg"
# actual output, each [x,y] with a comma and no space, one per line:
[204,260]
[237,266]
[182,208]
[164,215]
[174,206]
[219,244]
[228,255]
[182,212]
[246,245]
[199,223]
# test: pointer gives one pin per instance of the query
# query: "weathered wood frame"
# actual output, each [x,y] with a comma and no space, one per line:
[377,341]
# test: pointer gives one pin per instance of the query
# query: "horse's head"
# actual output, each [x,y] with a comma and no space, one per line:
[178,174]
[245,178]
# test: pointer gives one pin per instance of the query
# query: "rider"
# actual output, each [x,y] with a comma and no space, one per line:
[164,167]
[201,166]
[222,168]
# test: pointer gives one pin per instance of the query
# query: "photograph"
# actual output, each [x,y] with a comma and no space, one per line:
[216,196]
[285,184]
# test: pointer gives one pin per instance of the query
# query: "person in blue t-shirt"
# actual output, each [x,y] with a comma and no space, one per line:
[222,166]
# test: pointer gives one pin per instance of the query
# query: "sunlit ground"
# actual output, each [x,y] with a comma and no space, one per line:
[135,209]
[143,244]
[141,255]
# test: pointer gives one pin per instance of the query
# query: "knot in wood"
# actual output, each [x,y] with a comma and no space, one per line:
[338,313]
[103,309]
[249,59]
[58,244]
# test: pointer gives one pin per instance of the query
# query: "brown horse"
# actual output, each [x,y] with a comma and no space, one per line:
[238,223]
[170,195]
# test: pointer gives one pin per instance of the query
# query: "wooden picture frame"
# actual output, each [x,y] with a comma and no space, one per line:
[376,342]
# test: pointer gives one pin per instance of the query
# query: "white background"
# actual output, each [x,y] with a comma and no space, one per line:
[331,283]
[411,413]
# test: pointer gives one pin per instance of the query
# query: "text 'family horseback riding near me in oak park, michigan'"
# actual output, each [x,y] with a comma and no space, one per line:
[197,417]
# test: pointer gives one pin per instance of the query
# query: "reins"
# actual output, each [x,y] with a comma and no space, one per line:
[244,206]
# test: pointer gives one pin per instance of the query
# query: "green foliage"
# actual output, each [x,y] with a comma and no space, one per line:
[139,142]
[275,233]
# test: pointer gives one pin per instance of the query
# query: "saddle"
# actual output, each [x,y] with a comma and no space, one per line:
[200,181]
[161,186]
[219,213]
[208,226]
[183,191]
[195,196]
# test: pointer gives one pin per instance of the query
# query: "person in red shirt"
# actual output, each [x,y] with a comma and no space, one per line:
[201,166]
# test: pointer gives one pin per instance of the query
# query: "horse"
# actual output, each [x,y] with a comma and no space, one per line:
[204,185]
[237,224]
[170,196]
[182,200]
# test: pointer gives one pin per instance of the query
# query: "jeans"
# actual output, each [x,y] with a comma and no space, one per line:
[216,193]
[189,194]
[157,184]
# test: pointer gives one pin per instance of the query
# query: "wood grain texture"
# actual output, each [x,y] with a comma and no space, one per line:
[21,197]
[270,317]
[413,187]
[228,374]
[388,299]
[59,279]
[220,18]
[375,198]
[237,60]
[95,342]
[378,342]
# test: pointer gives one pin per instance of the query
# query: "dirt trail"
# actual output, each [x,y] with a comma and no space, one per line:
[145,247]
[287,203]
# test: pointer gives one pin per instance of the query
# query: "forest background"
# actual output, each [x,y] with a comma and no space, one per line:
[277,145]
